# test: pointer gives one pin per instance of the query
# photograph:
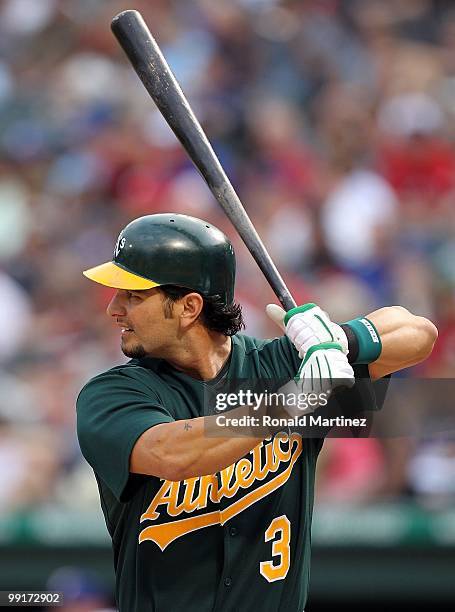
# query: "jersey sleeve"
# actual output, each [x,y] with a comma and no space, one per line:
[361,400]
[365,395]
[113,410]
[280,358]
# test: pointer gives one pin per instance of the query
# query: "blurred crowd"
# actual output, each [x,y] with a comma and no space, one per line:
[335,120]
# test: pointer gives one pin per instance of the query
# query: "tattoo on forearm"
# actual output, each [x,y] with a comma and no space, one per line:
[187,426]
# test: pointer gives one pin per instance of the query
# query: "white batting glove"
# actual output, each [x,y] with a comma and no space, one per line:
[324,368]
[322,346]
[322,371]
[307,326]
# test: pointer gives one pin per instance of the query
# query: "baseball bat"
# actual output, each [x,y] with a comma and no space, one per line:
[147,60]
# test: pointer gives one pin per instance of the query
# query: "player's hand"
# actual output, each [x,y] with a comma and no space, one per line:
[307,326]
[322,345]
[324,368]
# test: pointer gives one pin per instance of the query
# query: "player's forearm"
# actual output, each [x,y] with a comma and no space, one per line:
[406,339]
[183,449]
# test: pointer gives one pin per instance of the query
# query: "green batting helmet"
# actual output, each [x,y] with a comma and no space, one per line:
[170,249]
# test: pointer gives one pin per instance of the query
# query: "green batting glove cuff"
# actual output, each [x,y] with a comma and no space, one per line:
[317,347]
[368,339]
[297,310]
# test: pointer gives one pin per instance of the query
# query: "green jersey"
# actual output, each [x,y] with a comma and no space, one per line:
[238,540]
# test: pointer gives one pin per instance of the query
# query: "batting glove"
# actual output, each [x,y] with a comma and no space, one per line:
[307,326]
[324,368]
[322,345]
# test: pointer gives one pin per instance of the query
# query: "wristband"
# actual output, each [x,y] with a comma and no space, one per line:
[364,342]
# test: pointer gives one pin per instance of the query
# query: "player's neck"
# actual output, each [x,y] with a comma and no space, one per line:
[204,356]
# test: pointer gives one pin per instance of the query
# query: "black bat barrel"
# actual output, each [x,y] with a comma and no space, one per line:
[147,60]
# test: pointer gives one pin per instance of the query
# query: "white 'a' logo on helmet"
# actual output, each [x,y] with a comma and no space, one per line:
[119,244]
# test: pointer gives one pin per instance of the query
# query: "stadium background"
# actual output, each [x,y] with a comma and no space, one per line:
[326,114]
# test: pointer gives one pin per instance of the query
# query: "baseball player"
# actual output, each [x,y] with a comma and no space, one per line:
[200,522]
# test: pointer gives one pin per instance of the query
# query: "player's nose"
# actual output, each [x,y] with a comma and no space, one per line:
[116,307]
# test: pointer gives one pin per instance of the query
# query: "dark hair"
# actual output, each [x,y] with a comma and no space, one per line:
[215,314]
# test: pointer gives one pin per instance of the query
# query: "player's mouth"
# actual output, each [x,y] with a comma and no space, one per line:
[124,330]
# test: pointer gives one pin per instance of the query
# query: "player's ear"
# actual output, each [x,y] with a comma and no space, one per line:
[190,308]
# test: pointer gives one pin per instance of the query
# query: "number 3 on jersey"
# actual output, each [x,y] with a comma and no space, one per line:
[280,548]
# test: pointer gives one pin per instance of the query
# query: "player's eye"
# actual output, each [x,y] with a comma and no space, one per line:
[134,296]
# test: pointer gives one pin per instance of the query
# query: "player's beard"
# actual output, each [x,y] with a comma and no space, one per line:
[136,351]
